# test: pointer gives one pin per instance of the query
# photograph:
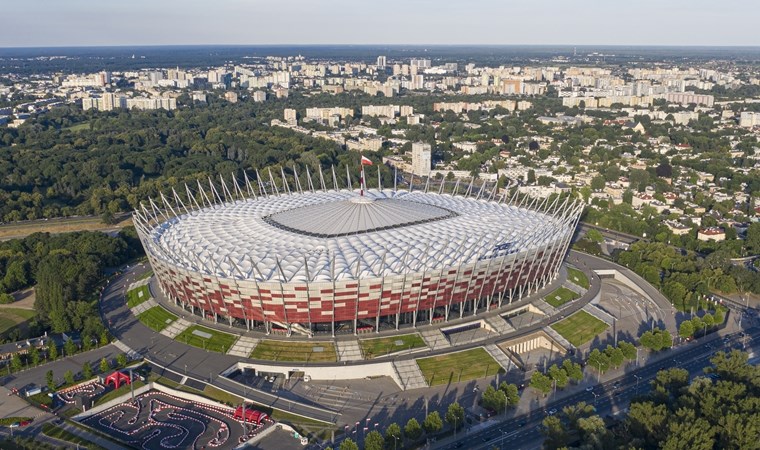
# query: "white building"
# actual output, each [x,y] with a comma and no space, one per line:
[421,160]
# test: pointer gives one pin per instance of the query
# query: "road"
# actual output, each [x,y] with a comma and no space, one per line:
[523,432]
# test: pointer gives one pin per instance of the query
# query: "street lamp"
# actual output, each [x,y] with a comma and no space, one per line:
[638,378]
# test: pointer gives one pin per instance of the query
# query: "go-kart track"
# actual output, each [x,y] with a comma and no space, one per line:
[157,420]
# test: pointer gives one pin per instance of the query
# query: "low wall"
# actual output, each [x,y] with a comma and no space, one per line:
[329,373]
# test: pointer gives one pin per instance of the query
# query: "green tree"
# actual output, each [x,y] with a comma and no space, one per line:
[374,441]
[541,382]
[573,370]
[511,392]
[412,430]
[50,380]
[599,361]
[121,359]
[628,349]
[68,377]
[52,350]
[555,433]
[104,338]
[558,376]
[686,330]
[752,241]
[432,423]
[594,235]
[16,364]
[493,399]
[455,415]
[69,347]
[348,444]
[34,355]
[87,370]
[393,434]
[597,183]
[104,366]
[615,355]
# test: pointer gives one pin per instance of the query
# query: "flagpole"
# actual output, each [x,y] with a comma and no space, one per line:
[361,181]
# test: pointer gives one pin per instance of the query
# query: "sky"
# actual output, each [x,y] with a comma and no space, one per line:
[44,23]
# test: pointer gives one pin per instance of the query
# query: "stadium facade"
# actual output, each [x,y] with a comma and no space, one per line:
[310,259]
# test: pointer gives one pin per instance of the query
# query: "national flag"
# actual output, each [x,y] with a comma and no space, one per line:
[366,161]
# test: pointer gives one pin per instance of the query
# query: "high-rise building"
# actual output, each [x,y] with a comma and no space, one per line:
[290,116]
[381,62]
[421,158]
[420,63]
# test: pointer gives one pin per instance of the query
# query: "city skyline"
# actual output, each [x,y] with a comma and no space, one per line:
[89,23]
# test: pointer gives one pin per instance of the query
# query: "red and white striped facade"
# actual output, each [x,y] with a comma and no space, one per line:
[405,258]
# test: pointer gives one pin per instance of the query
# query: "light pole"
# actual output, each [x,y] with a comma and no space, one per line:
[638,378]
[395,441]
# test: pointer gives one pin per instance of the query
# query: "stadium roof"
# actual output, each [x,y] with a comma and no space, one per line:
[334,235]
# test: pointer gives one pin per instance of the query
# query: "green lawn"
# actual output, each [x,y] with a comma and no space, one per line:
[460,366]
[579,328]
[218,342]
[295,351]
[577,277]
[137,296]
[560,296]
[115,393]
[79,127]
[156,318]
[10,317]
[372,348]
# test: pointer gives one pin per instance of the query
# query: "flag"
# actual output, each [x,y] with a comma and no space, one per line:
[366,161]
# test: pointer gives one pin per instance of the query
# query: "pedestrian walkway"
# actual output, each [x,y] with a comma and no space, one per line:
[410,374]
[558,338]
[95,439]
[144,306]
[139,283]
[599,314]
[499,325]
[435,339]
[499,356]
[349,350]
[243,346]
[126,349]
[544,307]
[175,328]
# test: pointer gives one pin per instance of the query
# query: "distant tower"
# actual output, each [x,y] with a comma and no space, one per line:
[421,158]
[575,52]
[381,62]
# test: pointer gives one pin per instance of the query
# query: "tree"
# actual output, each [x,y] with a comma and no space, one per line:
[87,371]
[555,432]
[393,434]
[494,400]
[599,361]
[6,298]
[50,380]
[16,364]
[52,350]
[511,392]
[69,347]
[68,377]
[541,382]
[374,441]
[597,183]
[558,376]
[121,359]
[686,330]
[455,415]
[34,355]
[615,356]
[533,146]
[348,444]
[595,236]
[432,423]
[752,241]
[664,170]
[628,349]
[573,370]
[104,366]
[104,338]
[412,430]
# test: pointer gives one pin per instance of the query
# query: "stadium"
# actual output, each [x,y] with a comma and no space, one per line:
[309,259]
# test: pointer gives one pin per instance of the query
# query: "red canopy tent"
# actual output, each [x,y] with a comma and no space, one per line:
[117,378]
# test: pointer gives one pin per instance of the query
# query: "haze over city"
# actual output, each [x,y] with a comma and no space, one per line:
[427,22]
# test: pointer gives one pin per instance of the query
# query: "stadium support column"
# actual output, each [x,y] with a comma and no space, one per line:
[358,288]
[382,282]
[332,276]
[308,279]
[282,294]
[403,287]
[267,325]
[422,282]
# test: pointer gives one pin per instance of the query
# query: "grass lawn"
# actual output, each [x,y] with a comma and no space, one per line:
[577,277]
[10,317]
[137,296]
[295,351]
[560,296]
[79,127]
[579,328]
[156,318]
[460,366]
[372,348]
[218,342]
[125,389]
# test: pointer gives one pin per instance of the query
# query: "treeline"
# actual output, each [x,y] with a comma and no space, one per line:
[716,411]
[67,270]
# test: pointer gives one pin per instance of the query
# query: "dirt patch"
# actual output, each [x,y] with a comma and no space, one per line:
[24,299]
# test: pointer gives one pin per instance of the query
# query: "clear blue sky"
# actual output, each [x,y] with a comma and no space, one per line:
[502,22]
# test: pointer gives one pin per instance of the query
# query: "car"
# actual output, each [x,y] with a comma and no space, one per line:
[552,412]
[590,389]
[521,423]
[616,385]
[24,423]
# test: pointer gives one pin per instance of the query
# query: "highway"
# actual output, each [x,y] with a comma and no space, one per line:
[523,432]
